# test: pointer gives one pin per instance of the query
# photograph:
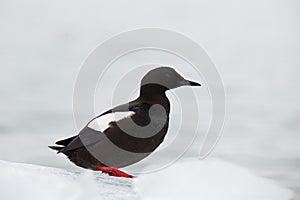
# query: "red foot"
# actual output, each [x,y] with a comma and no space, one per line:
[114,171]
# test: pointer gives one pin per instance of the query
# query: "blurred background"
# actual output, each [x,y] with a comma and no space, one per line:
[254,44]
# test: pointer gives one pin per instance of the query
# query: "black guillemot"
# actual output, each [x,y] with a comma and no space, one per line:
[140,128]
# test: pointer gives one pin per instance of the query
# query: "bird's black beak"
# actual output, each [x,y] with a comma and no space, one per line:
[192,83]
[189,83]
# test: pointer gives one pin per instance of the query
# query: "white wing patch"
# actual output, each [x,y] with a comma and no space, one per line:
[102,123]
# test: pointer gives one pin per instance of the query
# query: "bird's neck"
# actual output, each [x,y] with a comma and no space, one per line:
[152,90]
[154,94]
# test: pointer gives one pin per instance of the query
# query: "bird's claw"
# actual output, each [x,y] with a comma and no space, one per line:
[112,171]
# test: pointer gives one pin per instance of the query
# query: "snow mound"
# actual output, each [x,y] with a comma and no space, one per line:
[30,182]
[193,179]
[208,180]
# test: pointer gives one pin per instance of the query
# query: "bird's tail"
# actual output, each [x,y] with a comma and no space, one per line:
[56,148]
[63,144]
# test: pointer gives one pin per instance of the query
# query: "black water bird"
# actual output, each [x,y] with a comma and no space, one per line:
[136,133]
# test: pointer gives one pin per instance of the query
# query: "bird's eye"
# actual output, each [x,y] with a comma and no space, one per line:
[134,108]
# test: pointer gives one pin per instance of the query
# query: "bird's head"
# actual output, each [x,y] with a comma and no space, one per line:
[165,77]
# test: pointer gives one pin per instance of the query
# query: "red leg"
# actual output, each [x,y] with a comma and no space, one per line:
[112,171]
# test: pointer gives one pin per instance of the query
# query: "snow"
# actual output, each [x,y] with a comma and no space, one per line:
[191,179]
[30,182]
[210,180]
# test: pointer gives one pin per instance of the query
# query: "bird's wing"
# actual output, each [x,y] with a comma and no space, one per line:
[103,122]
[93,131]
[86,137]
